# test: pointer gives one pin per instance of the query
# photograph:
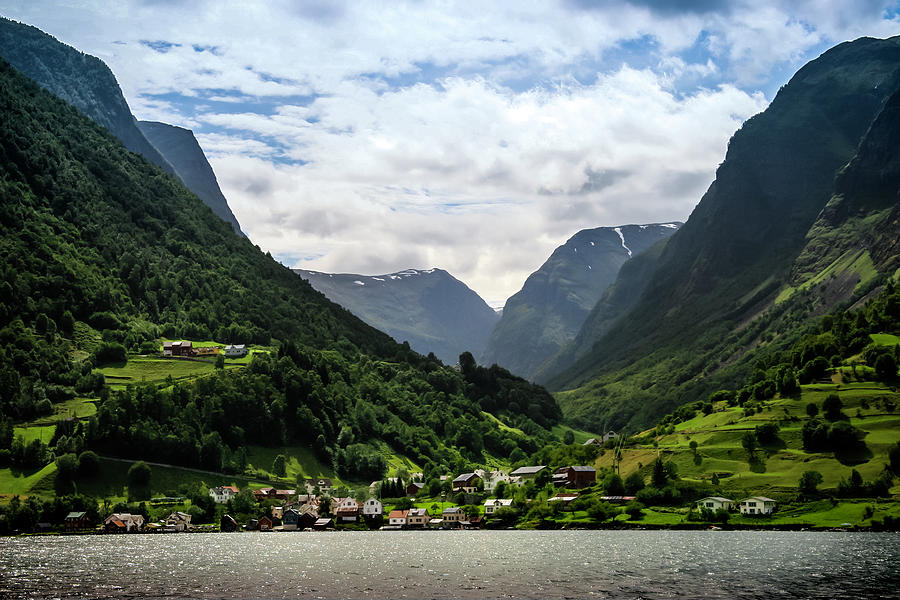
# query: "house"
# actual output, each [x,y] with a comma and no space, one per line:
[346,510]
[397,517]
[178,349]
[178,521]
[609,435]
[372,508]
[492,478]
[715,503]
[475,522]
[494,504]
[77,520]
[577,476]
[454,515]
[467,482]
[757,505]
[236,351]
[289,519]
[123,523]
[436,523]
[417,517]
[323,524]
[593,442]
[322,483]
[264,524]
[414,488]
[564,499]
[269,493]
[223,494]
[526,473]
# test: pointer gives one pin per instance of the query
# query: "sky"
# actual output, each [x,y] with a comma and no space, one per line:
[373,137]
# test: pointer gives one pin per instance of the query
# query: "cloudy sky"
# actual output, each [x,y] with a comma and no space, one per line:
[371,137]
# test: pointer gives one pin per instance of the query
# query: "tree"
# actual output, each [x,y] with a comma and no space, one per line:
[886,367]
[569,437]
[220,362]
[812,410]
[279,466]
[139,475]
[634,482]
[832,407]
[614,485]
[602,511]
[88,464]
[767,433]
[749,442]
[809,483]
[659,477]
[66,467]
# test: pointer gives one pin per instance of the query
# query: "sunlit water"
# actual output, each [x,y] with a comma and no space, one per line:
[476,564]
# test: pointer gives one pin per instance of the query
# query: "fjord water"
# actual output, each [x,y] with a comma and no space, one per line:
[504,564]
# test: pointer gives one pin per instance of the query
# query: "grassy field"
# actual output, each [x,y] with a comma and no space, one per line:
[868,405]
[13,483]
[885,339]
[300,461]
[581,436]
[154,370]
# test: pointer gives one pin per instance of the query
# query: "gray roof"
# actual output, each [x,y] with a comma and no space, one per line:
[583,468]
[464,477]
[528,470]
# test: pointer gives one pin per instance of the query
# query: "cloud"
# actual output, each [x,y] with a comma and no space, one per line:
[371,137]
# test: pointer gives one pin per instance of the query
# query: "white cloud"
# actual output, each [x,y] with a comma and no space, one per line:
[469,137]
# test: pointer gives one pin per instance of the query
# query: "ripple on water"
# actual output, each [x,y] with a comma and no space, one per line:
[503,564]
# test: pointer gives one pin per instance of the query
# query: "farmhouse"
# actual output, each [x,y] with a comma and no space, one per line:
[123,523]
[526,473]
[417,517]
[223,494]
[346,510]
[77,520]
[414,488]
[575,476]
[715,503]
[373,508]
[236,351]
[467,482]
[397,517]
[178,349]
[757,505]
[494,504]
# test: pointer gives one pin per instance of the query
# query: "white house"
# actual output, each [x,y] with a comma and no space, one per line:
[492,505]
[492,478]
[372,508]
[124,521]
[757,505]
[398,517]
[715,503]
[609,435]
[223,494]
[236,351]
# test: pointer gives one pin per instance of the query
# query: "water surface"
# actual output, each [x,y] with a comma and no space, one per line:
[470,564]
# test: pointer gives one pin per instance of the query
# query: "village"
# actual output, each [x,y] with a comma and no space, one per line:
[314,509]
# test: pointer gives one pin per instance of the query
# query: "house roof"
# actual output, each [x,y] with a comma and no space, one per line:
[498,502]
[591,441]
[717,499]
[75,515]
[417,512]
[563,497]
[583,469]
[760,498]
[531,470]
[453,510]
[398,514]
[465,478]
[322,521]
[417,484]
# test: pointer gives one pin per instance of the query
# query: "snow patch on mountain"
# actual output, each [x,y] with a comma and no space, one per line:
[622,237]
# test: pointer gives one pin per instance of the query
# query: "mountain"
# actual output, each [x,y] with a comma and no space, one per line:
[82,80]
[102,254]
[431,309]
[86,83]
[550,308]
[180,148]
[712,303]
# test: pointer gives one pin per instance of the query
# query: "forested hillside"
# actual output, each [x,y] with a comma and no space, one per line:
[719,292]
[103,254]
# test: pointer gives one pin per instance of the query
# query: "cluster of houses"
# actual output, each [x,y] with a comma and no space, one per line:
[187,349]
[754,506]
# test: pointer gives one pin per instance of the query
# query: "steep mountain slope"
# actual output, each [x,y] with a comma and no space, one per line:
[615,301]
[102,253]
[82,80]
[180,148]
[725,267]
[430,309]
[86,83]
[551,306]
